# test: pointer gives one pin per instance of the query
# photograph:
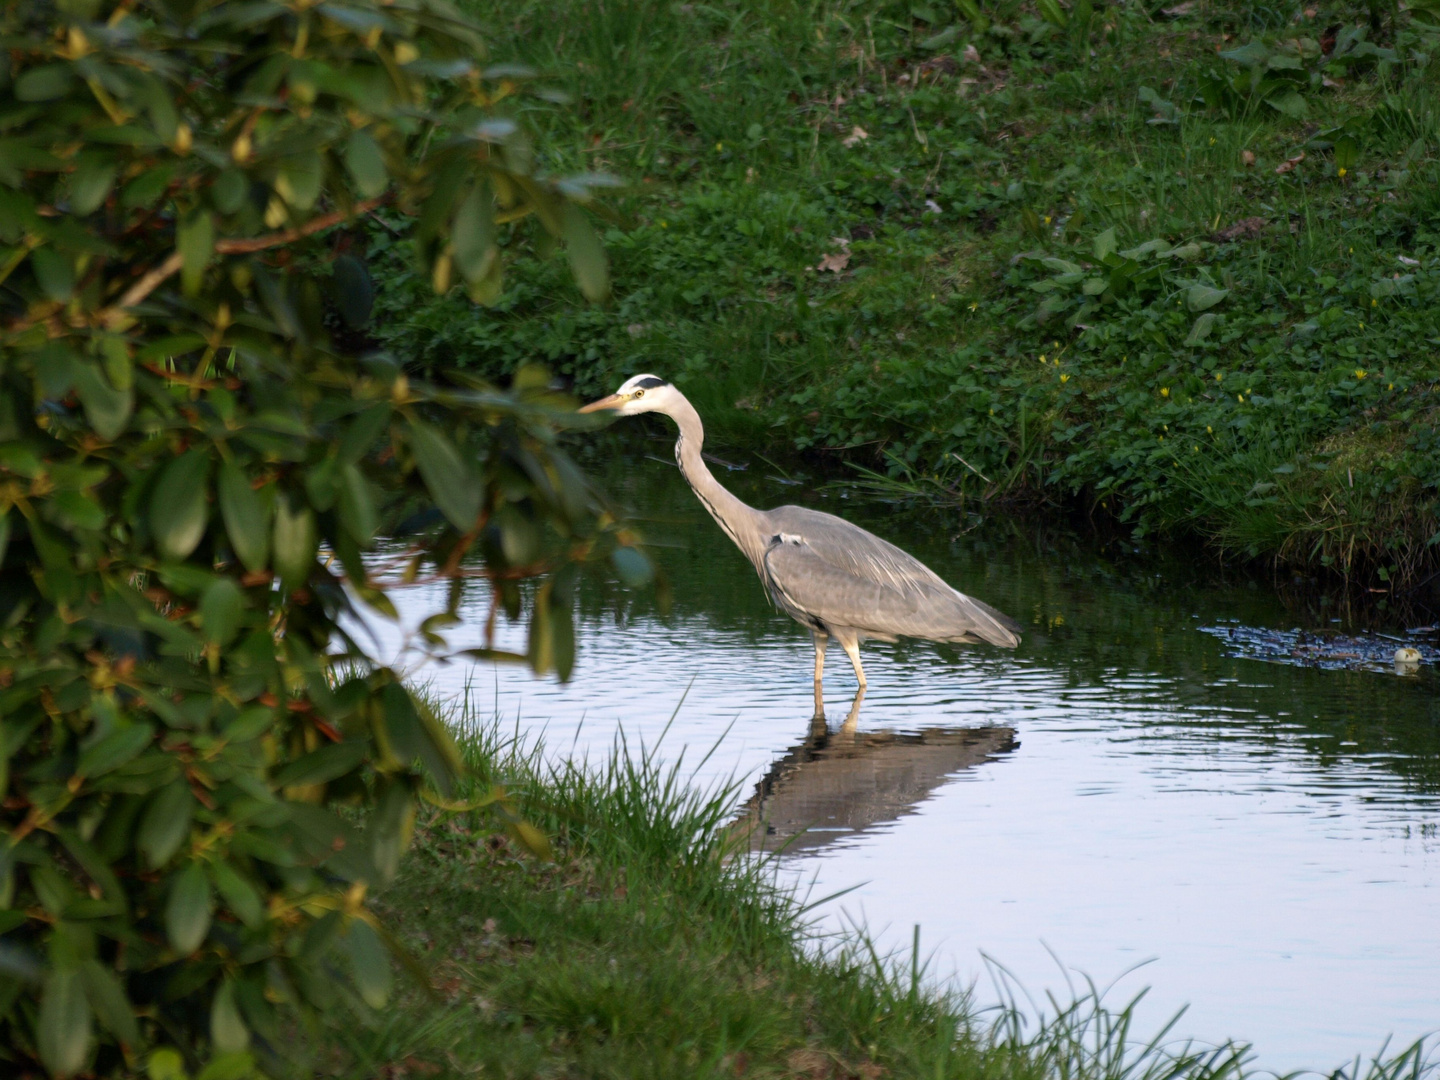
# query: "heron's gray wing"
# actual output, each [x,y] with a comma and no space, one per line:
[860,552]
[814,587]
[855,550]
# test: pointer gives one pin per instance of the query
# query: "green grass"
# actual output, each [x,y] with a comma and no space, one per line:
[731,121]
[645,949]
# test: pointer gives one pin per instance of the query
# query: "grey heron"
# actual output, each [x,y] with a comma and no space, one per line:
[834,578]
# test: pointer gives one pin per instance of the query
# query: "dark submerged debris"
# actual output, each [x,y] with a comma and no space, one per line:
[1329,651]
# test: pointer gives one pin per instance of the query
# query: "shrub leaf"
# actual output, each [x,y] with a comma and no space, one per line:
[188,911]
[178,511]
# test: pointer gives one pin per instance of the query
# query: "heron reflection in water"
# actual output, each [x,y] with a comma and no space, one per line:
[836,784]
[834,578]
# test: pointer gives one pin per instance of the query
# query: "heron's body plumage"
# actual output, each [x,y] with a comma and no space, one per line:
[826,572]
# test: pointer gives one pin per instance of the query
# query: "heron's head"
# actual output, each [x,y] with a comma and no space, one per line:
[642,393]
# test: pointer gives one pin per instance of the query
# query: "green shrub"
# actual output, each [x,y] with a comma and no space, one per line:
[203,766]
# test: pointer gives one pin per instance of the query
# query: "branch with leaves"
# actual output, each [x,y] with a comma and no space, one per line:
[196,482]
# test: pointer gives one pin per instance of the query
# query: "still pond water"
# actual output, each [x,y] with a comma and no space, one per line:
[1115,799]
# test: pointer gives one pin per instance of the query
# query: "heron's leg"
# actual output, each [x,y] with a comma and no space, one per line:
[851,644]
[848,728]
[820,641]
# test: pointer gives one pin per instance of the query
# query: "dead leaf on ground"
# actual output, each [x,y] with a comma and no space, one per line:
[411,1066]
[1245,229]
[1289,163]
[1332,84]
[857,134]
[939,65]
[835,261]
[971,54]
[810,1063]
[1179,9]
[1247,157]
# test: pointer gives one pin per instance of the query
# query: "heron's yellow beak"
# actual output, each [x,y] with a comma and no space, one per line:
[614,401]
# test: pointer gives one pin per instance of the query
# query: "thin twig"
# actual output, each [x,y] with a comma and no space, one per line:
[972,468]
[288,236]
[154,277]
[148,283]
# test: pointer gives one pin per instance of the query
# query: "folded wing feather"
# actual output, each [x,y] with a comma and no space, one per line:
[821,567]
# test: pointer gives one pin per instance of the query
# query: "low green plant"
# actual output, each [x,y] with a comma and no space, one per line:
[1281,73]
[205,767]
[1143,272]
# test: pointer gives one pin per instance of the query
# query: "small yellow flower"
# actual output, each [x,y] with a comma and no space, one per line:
[1212,140]
[974,306]
[1064,378]
[1196,450]
[1342,173]
[1047,219]
[1373,301]
[1240,398]
[664,224]
[1352,251]
[1042,358]
[932,296]
[1362,325]
[1209,430]
[1360,373]
[719,146]
[1219,376]
[1390,387]
[1164,391]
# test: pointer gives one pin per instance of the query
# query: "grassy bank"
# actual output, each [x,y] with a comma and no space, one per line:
[641,951]
[1069,254]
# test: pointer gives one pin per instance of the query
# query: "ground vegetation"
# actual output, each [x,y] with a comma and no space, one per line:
[1169,264]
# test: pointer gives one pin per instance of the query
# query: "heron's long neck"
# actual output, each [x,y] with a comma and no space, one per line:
[741,522]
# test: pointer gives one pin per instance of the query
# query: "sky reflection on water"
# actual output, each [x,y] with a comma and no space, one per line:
[1266,836]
